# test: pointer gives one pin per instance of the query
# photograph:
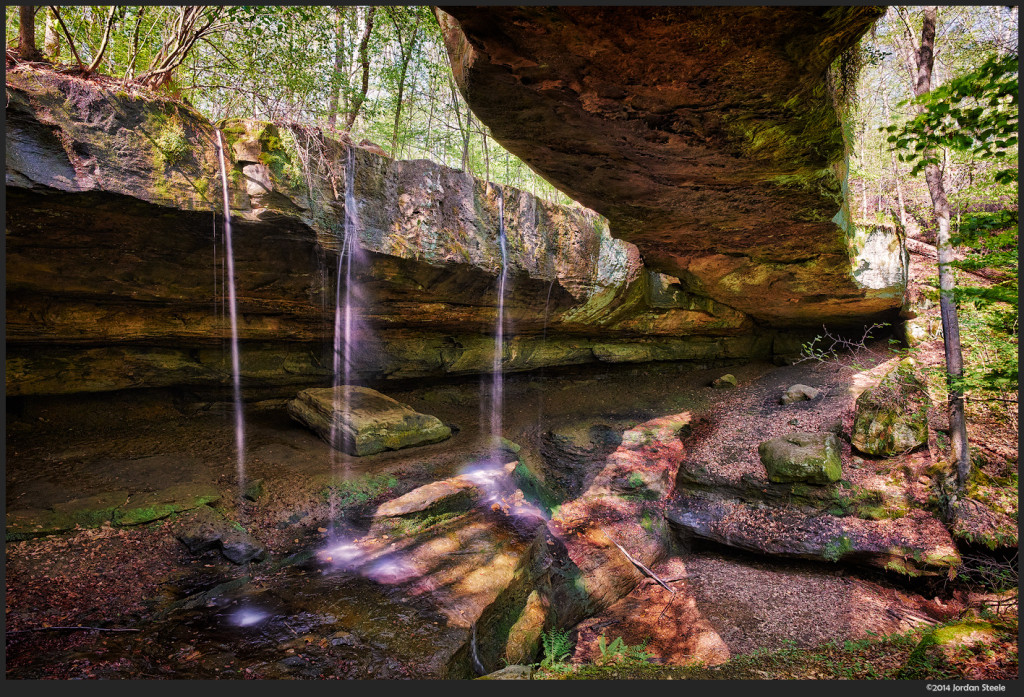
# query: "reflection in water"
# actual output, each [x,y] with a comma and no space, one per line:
[247,616]
[390,569]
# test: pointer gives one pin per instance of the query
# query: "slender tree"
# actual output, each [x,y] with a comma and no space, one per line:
[924,60]
[364,62]
[51,42]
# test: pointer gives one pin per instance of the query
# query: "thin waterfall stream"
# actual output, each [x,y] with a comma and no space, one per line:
[236,377]
[344,319]
[497,374]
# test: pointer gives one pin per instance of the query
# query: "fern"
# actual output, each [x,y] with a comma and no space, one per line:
[557,647]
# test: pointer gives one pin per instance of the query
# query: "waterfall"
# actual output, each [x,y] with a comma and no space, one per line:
[497,376]
[233,314]
[543,344]
[345,330]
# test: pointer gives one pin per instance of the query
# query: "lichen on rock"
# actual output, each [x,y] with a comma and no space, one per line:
[892,417]
[812,458]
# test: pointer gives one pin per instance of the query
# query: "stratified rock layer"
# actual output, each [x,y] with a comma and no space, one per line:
[710,137]
[115,262]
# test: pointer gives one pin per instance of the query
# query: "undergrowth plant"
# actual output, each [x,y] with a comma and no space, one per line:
[619,651]
[558,647]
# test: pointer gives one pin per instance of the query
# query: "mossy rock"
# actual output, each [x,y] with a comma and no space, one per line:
[150,506]
[892,417]
[362,421]
[90,511]
[26,523]
[811,458]
[727,380]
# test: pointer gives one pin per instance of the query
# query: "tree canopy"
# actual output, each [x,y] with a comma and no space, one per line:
[381,73]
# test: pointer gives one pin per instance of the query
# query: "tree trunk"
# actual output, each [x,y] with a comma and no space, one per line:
[465,139]
[407,53]
[51,43]
[27,50]
[947,301]
[339,66]
[364,61]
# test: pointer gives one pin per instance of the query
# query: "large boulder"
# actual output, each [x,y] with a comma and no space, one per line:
[812,458]
[892,417]
[362,421]
[799,393]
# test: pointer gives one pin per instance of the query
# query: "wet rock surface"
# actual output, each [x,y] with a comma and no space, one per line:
[203,529]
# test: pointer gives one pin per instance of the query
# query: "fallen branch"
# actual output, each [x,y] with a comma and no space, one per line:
[90,629]
[639,565]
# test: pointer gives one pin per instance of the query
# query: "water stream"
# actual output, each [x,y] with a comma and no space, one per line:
[345,300]
[497,374]
[543,344]
[236,377]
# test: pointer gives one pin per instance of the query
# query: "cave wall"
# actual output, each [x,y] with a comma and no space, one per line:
[115,258]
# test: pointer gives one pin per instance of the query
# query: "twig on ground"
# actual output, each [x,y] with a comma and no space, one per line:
[638,564]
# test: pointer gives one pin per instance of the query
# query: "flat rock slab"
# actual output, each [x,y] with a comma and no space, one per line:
[513,672]
[455,494]
[150,506]
[361,421]
[915,544]
[670,622]
[85,512]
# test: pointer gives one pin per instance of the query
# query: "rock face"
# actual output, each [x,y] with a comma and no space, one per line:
[362,421]
[812,458]
[115,260]
[915,544]
[710,137]
[892,417]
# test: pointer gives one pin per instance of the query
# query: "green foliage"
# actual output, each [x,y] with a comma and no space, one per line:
[359,491]
[557,645]
[301,64]
[619,651]
[975,112]
[172,145]
[837,547]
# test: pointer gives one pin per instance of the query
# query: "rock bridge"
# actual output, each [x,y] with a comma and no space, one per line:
[710,137]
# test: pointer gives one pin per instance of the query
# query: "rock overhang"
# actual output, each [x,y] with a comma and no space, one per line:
[710,137]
